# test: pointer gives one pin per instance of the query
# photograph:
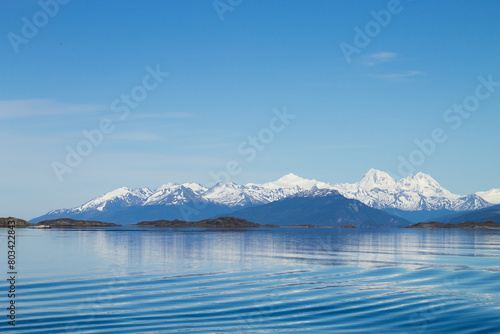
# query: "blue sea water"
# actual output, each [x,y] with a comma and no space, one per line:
[283,280]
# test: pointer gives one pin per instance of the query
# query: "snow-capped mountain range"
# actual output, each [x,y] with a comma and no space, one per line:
[415,192]
[376,189]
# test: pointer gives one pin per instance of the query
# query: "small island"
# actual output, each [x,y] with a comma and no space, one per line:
[317,226]
[488,224]
[302,226]
[19,223]
[222,222]
[67,222]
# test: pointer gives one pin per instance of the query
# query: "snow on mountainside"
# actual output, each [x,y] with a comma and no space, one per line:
[492,196]
[376,179]
[415,192]
[376,189]
[231,194]
[121,197]
[292,181]
[234,195]
[175,194]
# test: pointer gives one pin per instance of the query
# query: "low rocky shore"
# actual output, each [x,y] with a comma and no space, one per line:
[67,222]
[488,224]
[317,226]
[4,222]
[223,222]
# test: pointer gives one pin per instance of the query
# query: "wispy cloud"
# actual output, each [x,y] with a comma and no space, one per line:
[211,146]
[137,136]
[10,109]
[164,115]
[378,58]
[341,147]
[375,59]
[397,76]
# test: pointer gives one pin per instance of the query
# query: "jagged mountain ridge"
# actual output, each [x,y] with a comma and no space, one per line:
[227,194]
[413,193]
[376,189]
[323,207]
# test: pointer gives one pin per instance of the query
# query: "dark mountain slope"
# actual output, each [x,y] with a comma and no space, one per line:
[491,213]
[323,208]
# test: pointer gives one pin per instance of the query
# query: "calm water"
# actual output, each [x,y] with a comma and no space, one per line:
[255,281]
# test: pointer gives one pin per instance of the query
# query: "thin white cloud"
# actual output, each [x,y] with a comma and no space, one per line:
[130,161]
[210,146]
[137,136]
[164,115]
[378,58]
[398,76]
[383,56]
[341,147]
[10,109]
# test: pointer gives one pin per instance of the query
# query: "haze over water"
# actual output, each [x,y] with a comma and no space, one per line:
[127,280]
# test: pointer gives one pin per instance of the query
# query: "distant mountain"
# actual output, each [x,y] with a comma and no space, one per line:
[319,207]
[492,196]
[418,192]
[422,215]
[188,201]
[492,213]
[132,214]
[412,198]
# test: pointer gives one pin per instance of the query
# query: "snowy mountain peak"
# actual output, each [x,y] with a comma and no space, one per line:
[471,202]
[424,184]
[230,185]
[122,196]
[166,187]
[414,192]
[196,187]
[377,179]
[117,192]
[290,179]
[492,196]
[121,193]
[376,189]
[229,194]
[421,177]
[293,181]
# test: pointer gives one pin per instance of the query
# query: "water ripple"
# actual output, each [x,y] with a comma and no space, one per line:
[409,289]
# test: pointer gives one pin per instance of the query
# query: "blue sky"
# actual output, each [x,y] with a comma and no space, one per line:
[225,79]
